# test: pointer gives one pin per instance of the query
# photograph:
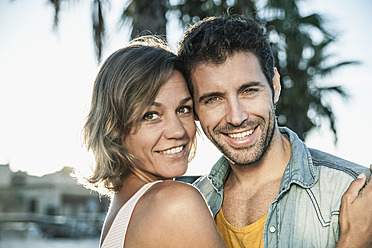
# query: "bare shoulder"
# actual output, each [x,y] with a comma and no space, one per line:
[174,192]
[170,213]
[170,198]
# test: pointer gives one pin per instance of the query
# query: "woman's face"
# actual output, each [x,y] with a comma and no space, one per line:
[163,139]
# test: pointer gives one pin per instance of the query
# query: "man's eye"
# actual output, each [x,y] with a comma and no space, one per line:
[151,116]
[184,110]
[249,91]
[212,99]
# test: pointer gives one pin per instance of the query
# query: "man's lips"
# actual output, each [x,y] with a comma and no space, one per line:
[241,138]
[240,135]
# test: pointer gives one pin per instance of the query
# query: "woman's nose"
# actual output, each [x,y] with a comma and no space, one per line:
[174,128]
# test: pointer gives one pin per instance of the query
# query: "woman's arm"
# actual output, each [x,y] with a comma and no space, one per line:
[173,214]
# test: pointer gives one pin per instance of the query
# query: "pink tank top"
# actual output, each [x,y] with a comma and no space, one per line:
[116,235]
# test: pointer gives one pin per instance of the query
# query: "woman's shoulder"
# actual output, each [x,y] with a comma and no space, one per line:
[169,213]
[170,193]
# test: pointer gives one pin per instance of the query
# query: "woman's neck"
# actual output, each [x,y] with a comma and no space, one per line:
[146,178]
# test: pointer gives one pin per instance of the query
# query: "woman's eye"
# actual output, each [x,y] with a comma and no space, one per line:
[151,116]
[184,110]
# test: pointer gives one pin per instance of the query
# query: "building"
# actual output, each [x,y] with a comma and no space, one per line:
[54,203]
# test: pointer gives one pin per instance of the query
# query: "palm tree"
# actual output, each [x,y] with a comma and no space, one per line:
[148,17]
[192,11]
[301,59]
[145,17]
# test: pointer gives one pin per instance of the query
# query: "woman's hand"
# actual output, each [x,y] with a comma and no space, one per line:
[356,215]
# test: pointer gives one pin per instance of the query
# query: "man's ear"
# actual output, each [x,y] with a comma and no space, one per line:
[276,85]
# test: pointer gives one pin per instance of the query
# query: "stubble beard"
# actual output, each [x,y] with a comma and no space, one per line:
[245,155]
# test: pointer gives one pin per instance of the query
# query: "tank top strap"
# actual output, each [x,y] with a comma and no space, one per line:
[116,235]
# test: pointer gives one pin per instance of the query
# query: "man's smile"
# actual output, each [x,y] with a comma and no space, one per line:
[240,135]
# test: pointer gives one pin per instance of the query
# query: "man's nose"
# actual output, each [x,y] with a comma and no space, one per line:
[236,113]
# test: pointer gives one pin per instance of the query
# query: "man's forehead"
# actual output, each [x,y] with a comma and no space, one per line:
[241,62]
[202,65]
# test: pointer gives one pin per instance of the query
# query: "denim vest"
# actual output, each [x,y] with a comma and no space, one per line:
[305,212]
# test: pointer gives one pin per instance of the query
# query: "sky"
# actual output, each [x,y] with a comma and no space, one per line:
[46,79]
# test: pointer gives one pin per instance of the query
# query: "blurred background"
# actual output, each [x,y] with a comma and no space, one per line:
[50,52]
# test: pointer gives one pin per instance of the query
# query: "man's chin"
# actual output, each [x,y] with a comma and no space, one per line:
[237,158]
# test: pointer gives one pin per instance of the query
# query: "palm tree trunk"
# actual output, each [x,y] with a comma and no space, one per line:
[149,17]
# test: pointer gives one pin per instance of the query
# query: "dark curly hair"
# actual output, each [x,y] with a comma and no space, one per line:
[214,39]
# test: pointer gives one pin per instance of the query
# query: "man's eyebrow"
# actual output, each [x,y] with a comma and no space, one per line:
[251,84]
[242,87]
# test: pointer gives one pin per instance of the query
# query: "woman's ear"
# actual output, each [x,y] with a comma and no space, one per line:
[276,85]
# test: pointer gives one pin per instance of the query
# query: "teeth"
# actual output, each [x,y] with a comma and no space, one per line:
[173,150]
[240,135]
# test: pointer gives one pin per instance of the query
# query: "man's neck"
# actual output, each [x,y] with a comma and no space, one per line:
[250,189]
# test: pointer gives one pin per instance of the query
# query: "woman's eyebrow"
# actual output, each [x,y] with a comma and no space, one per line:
[185,100]
[156,104]
[182,101]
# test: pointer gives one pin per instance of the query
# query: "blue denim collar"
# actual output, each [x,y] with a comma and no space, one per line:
[300,169]
[218,173]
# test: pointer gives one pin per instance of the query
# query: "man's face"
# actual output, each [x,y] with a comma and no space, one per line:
[234,104]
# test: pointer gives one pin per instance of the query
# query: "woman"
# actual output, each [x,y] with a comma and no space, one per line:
[141,130]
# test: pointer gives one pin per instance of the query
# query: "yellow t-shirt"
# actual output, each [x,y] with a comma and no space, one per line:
[246,236]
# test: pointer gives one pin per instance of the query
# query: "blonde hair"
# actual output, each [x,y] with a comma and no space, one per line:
[126,84]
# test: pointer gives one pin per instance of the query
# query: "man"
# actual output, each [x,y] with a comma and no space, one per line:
[269,189]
